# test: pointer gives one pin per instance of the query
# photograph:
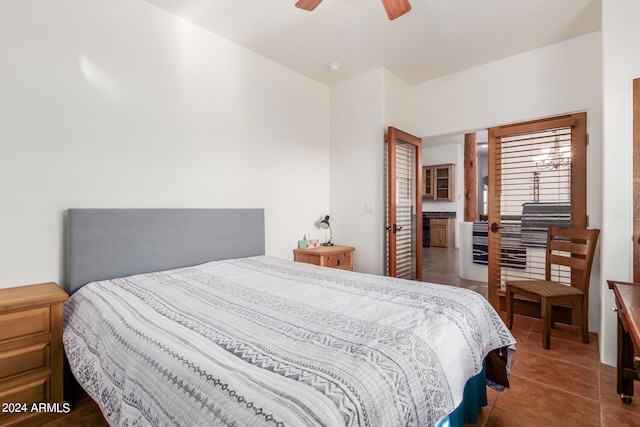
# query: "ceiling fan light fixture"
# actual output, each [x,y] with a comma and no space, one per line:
[396,8]
[308,4]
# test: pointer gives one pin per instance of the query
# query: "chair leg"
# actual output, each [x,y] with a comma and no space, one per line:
[509,307]
[546,322]
[584,310]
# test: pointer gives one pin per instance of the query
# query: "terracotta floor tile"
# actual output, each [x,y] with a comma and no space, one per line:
[565,331]
[546,405]
[616,417]
[571,351]
[610,399]
[606,369]
[521,336]
[522,323]
[501,418]
[564,376]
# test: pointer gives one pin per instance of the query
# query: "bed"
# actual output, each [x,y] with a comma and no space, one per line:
[160,333]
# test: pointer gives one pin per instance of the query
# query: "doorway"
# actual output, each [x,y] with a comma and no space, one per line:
[445,265]
[537,179]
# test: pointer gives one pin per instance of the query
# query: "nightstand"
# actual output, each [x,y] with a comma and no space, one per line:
[327,256]
[31,353]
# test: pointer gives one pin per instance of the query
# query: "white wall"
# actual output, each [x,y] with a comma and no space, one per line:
[116,103]
[361,110]
[621,64]
[357,174]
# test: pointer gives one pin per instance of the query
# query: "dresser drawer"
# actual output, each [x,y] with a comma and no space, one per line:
[24,359]
[339,261]
[23,323]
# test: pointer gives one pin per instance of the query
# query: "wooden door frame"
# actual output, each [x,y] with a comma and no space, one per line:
[393,135]
[636,180]
[578,123]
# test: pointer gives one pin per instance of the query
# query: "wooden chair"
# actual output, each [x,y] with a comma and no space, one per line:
[574,249]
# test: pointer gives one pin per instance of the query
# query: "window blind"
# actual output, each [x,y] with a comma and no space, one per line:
[535,193]
[405,211]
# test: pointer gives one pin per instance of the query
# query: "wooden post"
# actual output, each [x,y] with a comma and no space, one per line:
[470,184]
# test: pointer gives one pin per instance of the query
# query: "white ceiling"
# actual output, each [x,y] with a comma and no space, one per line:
[437,37]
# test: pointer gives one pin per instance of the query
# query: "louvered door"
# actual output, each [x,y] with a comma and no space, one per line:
[537,178]
[404,204]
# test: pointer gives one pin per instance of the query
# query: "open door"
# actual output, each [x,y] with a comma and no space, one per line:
[404,204]
[537,178]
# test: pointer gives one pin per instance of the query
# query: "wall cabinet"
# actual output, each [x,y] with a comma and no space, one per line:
[438,182]
[427,182]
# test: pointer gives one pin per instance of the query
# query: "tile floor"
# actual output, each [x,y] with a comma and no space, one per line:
[563,386]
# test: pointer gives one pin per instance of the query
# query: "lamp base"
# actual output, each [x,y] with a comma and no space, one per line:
[327,244]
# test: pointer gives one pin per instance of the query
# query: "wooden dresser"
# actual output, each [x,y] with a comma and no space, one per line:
[31,354]
[327,256]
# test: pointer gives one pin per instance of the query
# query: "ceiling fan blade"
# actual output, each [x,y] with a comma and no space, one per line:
[308,4]
[396,8]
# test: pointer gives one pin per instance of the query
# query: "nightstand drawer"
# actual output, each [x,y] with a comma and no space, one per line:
[23,323]
[327,256]
[24,359]
[339,261]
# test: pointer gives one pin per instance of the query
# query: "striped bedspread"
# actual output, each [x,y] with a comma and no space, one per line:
[265,342]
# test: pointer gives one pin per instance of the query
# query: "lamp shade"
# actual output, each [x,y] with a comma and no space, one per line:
[325,223]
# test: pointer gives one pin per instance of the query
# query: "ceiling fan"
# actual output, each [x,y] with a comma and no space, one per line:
[394,8]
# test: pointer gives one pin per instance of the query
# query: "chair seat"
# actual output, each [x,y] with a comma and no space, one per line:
[544,288]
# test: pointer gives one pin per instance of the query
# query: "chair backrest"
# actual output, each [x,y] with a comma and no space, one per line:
[573,248]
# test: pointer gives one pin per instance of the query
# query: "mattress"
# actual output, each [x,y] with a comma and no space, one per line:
[261,341]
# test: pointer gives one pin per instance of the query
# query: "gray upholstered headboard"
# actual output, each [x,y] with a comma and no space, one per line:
[109,243]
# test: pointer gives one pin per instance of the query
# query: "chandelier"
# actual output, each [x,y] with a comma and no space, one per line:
[553,158]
